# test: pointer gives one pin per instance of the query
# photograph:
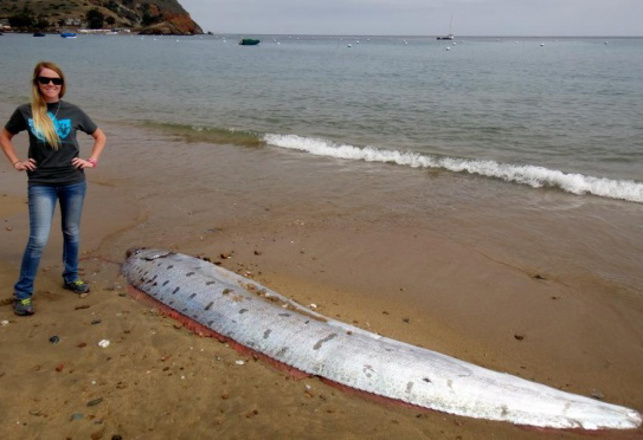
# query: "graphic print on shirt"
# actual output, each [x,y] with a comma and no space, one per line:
[62,126]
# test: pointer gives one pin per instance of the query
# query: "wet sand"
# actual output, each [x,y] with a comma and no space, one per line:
[311,239]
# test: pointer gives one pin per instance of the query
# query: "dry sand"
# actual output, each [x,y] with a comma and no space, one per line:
[156,380]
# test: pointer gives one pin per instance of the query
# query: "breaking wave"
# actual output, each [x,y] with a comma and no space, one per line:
[534,176]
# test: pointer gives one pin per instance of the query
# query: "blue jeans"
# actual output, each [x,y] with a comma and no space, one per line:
[42,202]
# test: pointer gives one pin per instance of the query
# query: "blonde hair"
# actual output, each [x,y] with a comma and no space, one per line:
[41,120]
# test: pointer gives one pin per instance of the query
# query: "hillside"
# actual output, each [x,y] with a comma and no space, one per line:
[144,16]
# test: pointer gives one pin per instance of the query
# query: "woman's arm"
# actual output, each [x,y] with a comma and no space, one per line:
[10,151]
[97,149]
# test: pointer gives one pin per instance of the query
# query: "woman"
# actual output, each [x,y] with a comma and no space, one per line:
[55,173]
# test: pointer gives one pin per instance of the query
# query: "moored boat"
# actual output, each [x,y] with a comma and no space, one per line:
[450,35]
[249,41]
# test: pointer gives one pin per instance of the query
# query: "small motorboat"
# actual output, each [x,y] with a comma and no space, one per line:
[249,41]
[68,35]
[39,34]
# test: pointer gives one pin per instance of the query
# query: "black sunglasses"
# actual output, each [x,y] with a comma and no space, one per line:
[44,80]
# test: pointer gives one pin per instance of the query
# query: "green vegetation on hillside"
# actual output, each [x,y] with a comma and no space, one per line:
[166,16]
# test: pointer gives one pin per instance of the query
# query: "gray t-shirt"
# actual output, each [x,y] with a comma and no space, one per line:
[53,166]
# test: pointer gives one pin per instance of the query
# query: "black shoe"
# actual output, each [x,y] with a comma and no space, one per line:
[23,307]
[77,286]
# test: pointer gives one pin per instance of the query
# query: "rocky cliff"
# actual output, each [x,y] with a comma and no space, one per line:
[144,16]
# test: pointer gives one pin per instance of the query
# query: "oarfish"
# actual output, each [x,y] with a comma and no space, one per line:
[256,317]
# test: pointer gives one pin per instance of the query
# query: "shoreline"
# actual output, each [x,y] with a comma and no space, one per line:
[369,266]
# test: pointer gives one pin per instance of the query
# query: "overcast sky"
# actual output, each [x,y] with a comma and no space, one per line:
[420,17]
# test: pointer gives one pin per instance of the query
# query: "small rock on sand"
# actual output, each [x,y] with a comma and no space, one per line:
[95,402]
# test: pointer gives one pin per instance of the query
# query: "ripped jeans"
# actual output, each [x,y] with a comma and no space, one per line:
[42,203]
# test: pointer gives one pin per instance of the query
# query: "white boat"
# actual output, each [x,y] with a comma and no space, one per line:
[450,36]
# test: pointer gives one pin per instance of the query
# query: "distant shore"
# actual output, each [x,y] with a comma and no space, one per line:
[102,32]
[428,36]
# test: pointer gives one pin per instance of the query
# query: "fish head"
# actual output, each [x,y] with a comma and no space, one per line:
[133,251]
[147,253]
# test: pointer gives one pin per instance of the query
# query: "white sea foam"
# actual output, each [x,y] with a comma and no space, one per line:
[534,176]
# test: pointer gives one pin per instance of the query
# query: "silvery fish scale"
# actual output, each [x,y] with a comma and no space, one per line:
[256,317]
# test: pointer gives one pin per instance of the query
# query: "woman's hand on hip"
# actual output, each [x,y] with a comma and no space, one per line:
[82,163]
[23,165]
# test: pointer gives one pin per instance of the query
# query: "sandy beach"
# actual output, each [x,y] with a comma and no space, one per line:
[314,239]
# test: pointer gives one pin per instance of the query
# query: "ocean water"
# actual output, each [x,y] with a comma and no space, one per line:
[530,150]
[538,112]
